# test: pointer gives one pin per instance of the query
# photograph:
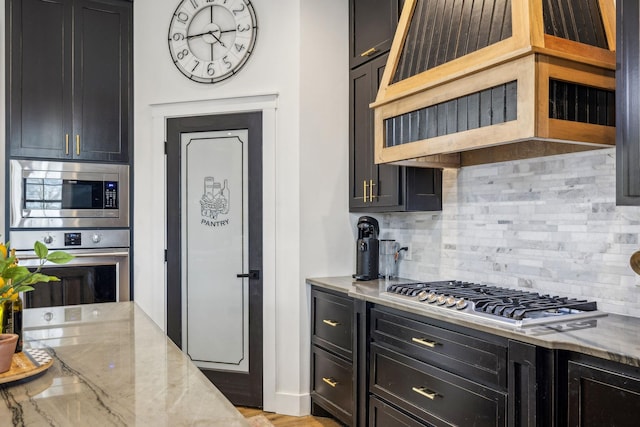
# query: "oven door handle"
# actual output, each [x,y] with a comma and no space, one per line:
[80,255]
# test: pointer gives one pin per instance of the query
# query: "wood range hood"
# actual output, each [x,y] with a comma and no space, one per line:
[479,81]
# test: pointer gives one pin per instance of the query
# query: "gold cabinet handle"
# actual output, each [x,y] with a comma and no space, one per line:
[331,322]
[330,381]
[78,145]
[425,342]
[371,196]
[423,391]
[66,144]
[368,52]
[364,190]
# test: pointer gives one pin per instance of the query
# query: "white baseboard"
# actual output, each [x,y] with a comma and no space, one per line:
[296,405]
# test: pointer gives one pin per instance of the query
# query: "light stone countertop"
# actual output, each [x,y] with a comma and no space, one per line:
[112,366]
[611,337]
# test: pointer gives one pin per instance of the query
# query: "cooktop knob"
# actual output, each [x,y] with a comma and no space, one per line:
[462,303]
[95,238]
[423,295]
[48,239]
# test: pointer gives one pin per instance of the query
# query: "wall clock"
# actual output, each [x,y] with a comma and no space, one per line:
[210,40]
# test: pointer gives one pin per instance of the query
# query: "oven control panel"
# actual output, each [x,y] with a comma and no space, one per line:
[70,239]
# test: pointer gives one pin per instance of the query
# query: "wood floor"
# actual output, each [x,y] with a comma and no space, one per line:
[286,421]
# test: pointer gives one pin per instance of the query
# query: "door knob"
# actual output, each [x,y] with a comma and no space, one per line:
[253,274]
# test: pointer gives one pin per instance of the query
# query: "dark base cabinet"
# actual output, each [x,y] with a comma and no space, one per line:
[372,365]
[602,393]
[335,351]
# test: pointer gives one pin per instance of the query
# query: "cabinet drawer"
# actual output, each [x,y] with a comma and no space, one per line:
[383,415]
[332,322]
[432,394]
[332,383]
[465,355]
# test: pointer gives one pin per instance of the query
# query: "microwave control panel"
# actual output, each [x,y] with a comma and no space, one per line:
[110,195]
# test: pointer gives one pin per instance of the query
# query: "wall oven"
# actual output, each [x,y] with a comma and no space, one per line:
[47,194]
[98,273]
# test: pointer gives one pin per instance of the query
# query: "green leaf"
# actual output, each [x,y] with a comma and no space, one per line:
[16,273]
[59,257]
[40,249]
[39,277]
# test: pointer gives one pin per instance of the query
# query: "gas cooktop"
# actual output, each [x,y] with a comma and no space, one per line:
[503,305]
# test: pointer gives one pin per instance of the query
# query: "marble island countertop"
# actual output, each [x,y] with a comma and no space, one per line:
[112,367]
[611,337]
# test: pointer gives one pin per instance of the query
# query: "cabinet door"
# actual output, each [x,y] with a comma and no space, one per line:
[39,77]
[628,103]
[364,172]
[102,60]
[601,397]
[373,25]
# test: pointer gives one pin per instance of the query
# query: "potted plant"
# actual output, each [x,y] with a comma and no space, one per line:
[15,279]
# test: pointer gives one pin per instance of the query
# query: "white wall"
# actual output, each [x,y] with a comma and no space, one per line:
[301,57]
[327,245]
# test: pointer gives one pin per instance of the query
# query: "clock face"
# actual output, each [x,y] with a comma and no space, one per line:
[210,40]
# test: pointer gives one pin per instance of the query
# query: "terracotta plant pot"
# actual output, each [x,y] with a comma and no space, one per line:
[7,348]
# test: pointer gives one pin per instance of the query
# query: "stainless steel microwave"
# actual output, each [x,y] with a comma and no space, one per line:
[46,194]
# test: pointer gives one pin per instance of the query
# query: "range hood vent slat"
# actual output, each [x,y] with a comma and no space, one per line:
[444,30]
[579,21]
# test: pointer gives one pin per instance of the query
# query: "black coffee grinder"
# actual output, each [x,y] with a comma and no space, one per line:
[367,249]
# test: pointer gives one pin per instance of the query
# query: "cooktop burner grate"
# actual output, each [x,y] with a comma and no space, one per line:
[493,301]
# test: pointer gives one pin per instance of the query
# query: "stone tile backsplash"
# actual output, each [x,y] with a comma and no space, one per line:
[548,224]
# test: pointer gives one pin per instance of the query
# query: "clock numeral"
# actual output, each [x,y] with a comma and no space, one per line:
[236,11]
[182,17]
[226,61]
[182,53]
[195,66]
[244,28]
[194,3]
[239,47]
[210,69]
[177,36]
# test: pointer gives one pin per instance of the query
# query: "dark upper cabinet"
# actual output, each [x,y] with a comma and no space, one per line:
[380,188]
[372,27]
[628,103]
[69,79]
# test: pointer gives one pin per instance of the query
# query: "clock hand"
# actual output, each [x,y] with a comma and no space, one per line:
[198,35]
[217,39]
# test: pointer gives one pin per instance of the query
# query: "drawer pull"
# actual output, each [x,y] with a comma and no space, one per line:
[368,52]
[330,381]
[423,391]
[430,344]
[331,322]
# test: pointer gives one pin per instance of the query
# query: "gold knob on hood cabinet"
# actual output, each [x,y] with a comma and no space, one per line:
[66,144]
[78,145]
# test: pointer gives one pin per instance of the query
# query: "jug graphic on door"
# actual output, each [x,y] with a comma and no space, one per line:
[215,200]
